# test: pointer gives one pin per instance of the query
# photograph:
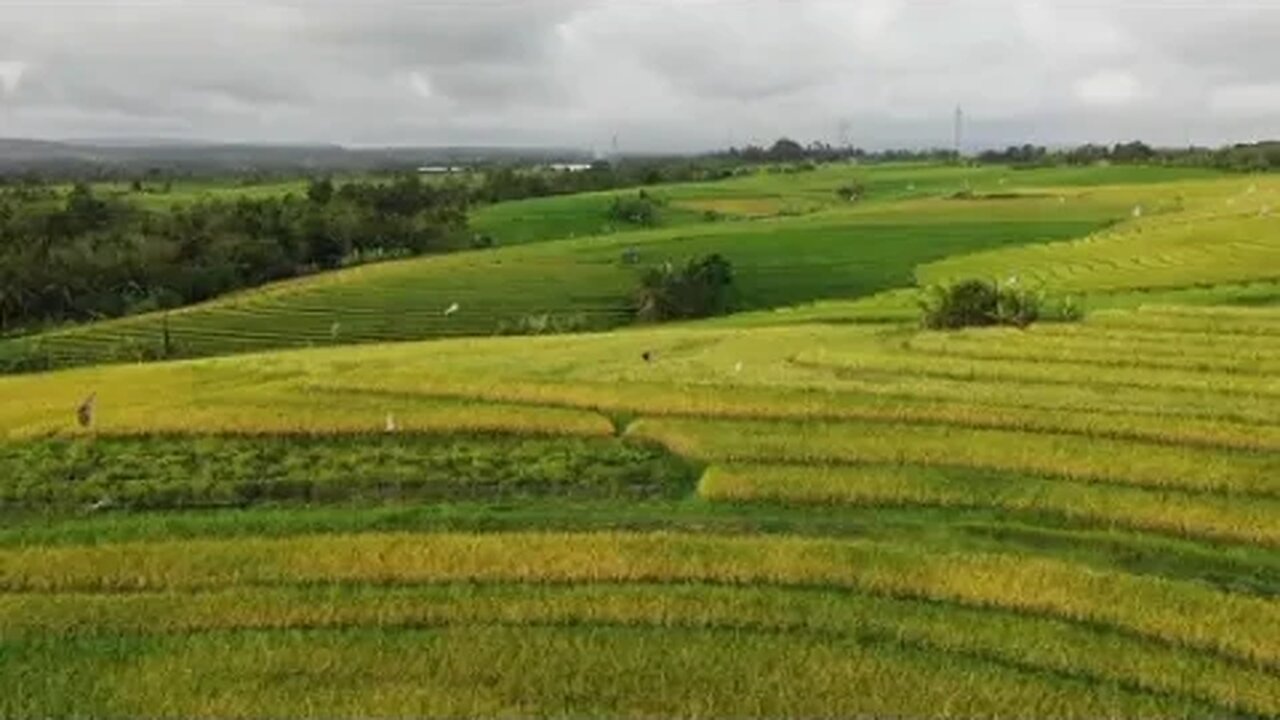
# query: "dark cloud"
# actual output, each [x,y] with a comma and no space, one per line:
[662,74]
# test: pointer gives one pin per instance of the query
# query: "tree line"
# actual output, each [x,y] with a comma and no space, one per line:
[1245,157]
[80,255]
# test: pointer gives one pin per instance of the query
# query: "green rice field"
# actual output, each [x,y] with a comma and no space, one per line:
[812,507]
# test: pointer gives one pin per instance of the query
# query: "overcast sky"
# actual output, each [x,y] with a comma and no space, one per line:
[660,74]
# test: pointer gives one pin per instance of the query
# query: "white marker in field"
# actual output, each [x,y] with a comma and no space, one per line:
[1137,211]
[451,309]
[738,367]
[391,423]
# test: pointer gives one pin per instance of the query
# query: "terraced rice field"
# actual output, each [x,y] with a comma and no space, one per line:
[813,508]
[805,518]
[789,237]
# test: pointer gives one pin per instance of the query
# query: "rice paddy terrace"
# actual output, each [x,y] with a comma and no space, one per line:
[814,510]
[790,238]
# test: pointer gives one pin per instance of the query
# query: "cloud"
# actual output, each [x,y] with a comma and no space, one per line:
[1254,100]
[1108,88]
[11,72]
[661,74]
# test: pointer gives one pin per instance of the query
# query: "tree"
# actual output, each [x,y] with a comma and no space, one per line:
[786,150]
[699,289]
[320,191]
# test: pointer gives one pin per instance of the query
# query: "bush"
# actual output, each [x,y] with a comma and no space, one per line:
[699,289]
[979,303]
[639,209]
[850,192]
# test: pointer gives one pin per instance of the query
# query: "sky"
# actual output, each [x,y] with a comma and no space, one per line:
[659,75]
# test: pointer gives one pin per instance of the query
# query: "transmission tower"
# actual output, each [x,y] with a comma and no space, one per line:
[959,131]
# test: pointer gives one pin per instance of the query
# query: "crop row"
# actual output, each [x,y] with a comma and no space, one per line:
[897,403]
[1251,520]
[540,671]
[184,471]
[947,631]
[1183,613]
[1115,352]
[1179,251]
[1066,456]
[1033,370]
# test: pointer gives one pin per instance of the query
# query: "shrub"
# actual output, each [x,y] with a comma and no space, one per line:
[850,192]
[978,303]
[638,209]
[699,289]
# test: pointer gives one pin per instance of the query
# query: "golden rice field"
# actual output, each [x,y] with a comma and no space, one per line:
[805,512]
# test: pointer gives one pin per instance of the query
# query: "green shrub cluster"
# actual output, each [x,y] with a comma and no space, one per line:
[979,303]
[639,209]
[701,288]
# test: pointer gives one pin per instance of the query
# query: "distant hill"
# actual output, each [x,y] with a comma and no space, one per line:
[109,158]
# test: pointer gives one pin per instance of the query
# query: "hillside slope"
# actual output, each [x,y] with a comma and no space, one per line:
[789,237]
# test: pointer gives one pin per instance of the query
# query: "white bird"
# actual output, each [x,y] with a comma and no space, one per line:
[391,423]
[738,367]
[334,329]
[1137,211]
[451,309]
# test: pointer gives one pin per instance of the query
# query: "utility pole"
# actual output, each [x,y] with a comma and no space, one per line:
[959,132]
